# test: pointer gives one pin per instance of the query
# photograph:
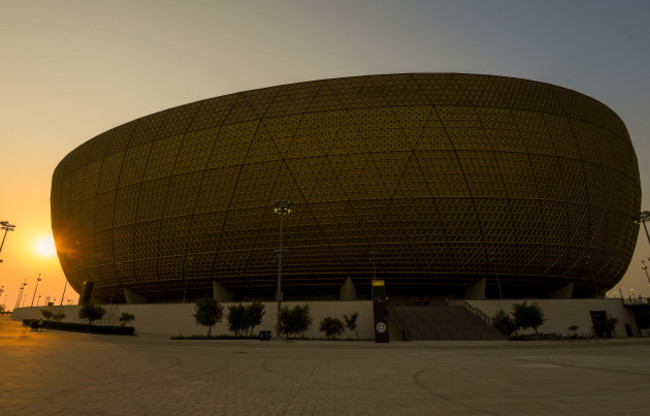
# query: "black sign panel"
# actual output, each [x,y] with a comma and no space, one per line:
[380,311]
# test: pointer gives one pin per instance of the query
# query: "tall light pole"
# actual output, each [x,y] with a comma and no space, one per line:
[63,295]
[642,218]
[7,227]
[20,294]
[373,254]
[38,279]
[188,267]
[282,208]
[645,269]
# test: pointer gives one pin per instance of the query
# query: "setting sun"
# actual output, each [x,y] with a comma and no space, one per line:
[44,246]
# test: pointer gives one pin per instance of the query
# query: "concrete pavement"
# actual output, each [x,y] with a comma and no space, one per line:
[63,373]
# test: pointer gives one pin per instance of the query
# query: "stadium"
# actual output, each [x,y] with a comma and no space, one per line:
[439,184]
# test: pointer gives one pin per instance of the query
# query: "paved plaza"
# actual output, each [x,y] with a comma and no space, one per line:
[63,373]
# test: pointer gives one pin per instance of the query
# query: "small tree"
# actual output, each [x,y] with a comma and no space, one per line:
[208,312]
[237,319]
[295,320]
[58,317]
[503,322]
[91,313]
[47,314]
[331,327]
[574,331]
[609,327]
[254,314]
[351,322]
[528,316]
[126,317]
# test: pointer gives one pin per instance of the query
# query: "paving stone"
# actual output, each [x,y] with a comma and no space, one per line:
[65,373]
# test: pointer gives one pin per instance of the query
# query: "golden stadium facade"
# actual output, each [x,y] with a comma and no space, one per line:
[431,182]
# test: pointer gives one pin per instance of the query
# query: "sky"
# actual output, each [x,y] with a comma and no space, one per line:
[72,69]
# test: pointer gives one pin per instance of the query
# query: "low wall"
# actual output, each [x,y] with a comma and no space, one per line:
[177,319]
[560,314]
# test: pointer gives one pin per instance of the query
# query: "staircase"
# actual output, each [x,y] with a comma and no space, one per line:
[443,322]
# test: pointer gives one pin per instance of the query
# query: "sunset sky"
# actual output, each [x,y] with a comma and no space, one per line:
[71,69]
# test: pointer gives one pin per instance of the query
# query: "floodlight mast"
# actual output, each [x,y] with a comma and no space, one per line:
[7,227]
[38,279]
[282,208]
[642,218]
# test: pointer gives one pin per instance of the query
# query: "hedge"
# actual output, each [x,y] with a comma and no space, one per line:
[76,327]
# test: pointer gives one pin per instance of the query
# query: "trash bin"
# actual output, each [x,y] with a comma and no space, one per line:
[265,335]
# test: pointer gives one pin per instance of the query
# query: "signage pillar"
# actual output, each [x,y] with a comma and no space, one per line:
[380,310]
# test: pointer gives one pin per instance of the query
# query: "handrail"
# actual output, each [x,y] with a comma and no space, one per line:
[402,327]
[472,309]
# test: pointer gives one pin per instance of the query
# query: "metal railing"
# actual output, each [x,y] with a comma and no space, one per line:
[471,309]
[405,333]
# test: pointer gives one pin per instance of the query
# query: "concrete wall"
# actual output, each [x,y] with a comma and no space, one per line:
[176,319]
[560,314]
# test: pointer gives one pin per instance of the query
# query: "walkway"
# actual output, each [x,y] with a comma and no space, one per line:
[59,373]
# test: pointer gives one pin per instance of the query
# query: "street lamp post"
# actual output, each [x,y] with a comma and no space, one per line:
[642,218]
[38,279]
[282,208]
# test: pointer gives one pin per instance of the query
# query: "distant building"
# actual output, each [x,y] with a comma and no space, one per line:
[439,184]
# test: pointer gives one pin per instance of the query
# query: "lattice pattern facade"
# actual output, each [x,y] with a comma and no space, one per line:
[440,179]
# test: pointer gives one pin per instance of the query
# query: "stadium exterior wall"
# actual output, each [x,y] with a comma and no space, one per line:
[431,182]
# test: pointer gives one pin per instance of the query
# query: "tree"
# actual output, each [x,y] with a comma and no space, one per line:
[295,320]
[351,322]
[503,322]
[528,316]
[47,314]
[331,327]
[242,318]
[254,314]
[126,317]
[91,313]
[208,312]
[58,317]
[609,327]
[237,319]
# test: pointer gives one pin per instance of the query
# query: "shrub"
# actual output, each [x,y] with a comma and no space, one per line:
[58,317]
[331,327]
[126,317]
[47,314]
[91,313]
[503,322]
[208,312]
[528,316]
[295,320]
[237,319]
[351,322]
[254,314]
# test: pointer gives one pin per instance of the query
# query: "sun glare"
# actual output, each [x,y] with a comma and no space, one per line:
[44,246]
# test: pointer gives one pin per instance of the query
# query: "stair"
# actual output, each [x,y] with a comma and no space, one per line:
[442,322]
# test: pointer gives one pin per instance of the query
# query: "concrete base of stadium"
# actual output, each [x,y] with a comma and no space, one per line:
[177,319]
